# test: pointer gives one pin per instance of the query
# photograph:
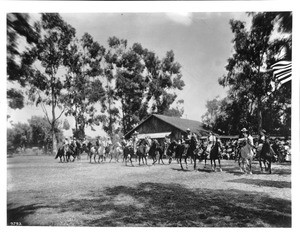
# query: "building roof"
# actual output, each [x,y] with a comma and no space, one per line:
[179,123]
[183,124]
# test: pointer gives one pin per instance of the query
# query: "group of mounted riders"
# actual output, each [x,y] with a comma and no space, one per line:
[189,146]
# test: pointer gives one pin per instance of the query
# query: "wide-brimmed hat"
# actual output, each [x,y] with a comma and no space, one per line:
[188,129]
[263,131]
[135,132]
[244,130]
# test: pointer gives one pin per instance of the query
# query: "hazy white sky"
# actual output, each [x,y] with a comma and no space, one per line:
[201,43]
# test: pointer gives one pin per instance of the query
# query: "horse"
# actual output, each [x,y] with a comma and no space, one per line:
[94,150]
[142,150]
[107,152]
[179,153]
[156,152]
[115,152]
[214,154]
[192,145]
[171,151]
[128,152]
[72,151]
[267,155]
[245,156]
[187,150]
[62,153]
[201,153]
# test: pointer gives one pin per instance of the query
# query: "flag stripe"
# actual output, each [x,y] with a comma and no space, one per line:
[282,67]
[281,63]
[282,71]
[279,71]
[279,74]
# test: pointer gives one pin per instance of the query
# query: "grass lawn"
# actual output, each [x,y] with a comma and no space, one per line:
[43,192]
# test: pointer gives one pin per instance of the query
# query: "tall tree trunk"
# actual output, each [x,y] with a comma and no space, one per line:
[259,115]
[54,143]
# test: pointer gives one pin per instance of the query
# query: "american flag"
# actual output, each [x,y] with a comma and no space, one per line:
[282,71]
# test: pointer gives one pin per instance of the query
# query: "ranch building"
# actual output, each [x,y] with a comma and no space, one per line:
[158,126]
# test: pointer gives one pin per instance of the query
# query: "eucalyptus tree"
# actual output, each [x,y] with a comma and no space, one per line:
[18,27]
[164,77]
[83,84]
[45,76]
[144,84]
[247,76]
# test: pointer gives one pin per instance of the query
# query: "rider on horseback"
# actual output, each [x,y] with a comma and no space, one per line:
[134,141]
[66,142]
[246,150]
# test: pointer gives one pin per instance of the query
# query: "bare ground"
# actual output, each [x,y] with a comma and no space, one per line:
[43,192]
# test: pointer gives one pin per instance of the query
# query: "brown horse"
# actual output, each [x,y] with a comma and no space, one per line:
[62,153]
[266,155]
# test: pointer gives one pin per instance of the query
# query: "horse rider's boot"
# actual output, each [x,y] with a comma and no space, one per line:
[221,170]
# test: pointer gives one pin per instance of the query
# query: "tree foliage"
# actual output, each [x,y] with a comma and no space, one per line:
[144,84]
[35,133]
[82,84]
[250,100]
[46,58]
[18,27]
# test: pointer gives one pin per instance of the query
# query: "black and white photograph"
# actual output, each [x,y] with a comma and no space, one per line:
[150,118]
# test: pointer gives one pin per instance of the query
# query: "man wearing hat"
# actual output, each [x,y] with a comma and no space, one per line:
[188,136]
[248,137]
[134,141]
[212,139]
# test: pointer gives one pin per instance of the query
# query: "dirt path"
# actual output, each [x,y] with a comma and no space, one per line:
[42,191]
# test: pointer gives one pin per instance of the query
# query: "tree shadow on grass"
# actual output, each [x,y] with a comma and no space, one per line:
[263,183]
[18,214]
[172,205]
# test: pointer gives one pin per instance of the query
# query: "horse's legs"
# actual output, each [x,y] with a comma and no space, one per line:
[170,159]
[130,158]
[250,166]
[220,164]
[185,160]
[161,158]
[180,159]
[260,163]
[195,162]
[213,164]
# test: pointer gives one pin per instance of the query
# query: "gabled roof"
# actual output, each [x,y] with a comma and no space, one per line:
[179,123]
[183,124]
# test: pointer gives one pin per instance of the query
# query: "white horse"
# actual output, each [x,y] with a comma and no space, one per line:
[116,153]
[100,151]
[246,156]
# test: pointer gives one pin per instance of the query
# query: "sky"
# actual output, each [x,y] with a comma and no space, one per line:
[201,43]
